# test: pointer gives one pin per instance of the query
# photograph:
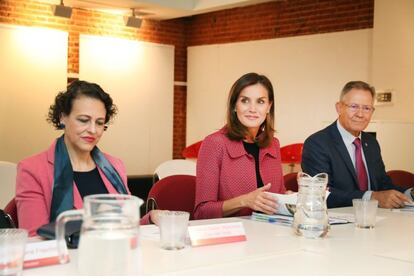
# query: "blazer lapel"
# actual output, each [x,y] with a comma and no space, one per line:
[343,152]
[235,149]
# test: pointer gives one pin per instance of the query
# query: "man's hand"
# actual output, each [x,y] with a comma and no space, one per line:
[390,199]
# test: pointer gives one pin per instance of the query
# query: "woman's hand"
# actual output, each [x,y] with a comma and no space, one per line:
[259,200]
[154,216]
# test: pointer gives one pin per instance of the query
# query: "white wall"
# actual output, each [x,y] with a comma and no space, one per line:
[32,71]
[393,57]
[140,79]
[393,68]
[395,139]
[307,72]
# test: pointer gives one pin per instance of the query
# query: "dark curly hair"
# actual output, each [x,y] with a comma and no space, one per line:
[64,100]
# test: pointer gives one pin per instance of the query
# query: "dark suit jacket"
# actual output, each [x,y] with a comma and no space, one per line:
[325,151]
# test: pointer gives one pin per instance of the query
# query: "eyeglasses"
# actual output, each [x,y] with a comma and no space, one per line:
[367,109]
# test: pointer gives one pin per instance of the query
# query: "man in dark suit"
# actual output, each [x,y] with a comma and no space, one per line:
[351,157]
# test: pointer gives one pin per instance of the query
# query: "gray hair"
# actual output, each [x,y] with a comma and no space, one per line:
[357,85]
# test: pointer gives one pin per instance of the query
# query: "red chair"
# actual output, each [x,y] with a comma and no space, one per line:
[291,182]
[291,154]
[192,150]
[401,178]
[174,192]
[11,210]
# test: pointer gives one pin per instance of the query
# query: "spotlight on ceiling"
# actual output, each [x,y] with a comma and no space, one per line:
[62,10]
[133,21]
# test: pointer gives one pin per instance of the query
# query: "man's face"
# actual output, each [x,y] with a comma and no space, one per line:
[355,110]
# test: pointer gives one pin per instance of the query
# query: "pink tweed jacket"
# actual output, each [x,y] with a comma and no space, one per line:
[225,170]
[34,184]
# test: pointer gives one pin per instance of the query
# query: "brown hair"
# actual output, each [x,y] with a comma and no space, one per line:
[357,85]
[235,129]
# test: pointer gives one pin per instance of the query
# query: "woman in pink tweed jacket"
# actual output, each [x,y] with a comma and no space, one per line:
[83,112]
[239,163]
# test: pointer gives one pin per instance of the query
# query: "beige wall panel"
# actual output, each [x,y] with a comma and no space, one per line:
[139,77]
[393,57]
[393,68]
[395,138]
[33,66]
[307,72]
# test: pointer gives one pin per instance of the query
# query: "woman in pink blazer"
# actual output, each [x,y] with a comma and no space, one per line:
[239,163]
[73,167]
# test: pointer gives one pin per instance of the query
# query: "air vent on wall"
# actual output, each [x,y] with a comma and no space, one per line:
[385,97]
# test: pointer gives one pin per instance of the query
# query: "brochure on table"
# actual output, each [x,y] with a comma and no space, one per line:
[409,207]
[287,208]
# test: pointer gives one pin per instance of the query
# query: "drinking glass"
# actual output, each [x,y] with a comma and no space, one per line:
[173,229]
[365,212]
[12,245]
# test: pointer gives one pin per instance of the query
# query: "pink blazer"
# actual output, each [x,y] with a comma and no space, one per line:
[225,170]
[34,184]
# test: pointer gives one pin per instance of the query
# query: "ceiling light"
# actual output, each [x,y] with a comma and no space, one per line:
[133,21]
[62,10]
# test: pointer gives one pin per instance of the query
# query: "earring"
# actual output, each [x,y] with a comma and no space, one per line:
[61,126]
[105,127]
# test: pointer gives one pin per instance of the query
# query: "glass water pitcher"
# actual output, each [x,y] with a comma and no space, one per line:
[311,216]
[108,242]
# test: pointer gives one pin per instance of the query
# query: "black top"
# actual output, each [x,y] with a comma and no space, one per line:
[89,183]
[254,149]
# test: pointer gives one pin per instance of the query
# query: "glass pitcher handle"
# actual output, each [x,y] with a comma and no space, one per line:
[61,221]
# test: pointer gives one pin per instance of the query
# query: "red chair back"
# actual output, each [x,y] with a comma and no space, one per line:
[192,150]
[291,182]
[291,153]
[11,209]
[401,178]
[174,192]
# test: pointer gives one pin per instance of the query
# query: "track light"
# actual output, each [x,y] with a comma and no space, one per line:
[133,21]
[62,10]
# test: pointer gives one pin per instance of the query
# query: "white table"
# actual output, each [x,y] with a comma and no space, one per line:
[386,250]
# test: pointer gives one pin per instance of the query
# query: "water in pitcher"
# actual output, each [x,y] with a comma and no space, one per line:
[311,221]
[108,243]
[108,253]
[311,216]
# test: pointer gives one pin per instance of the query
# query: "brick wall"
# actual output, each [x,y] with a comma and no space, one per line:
[262,21]
[280,19]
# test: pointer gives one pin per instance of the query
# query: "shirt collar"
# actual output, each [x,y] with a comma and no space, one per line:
[346,135]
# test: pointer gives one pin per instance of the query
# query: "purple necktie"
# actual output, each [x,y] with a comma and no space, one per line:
[360,167]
